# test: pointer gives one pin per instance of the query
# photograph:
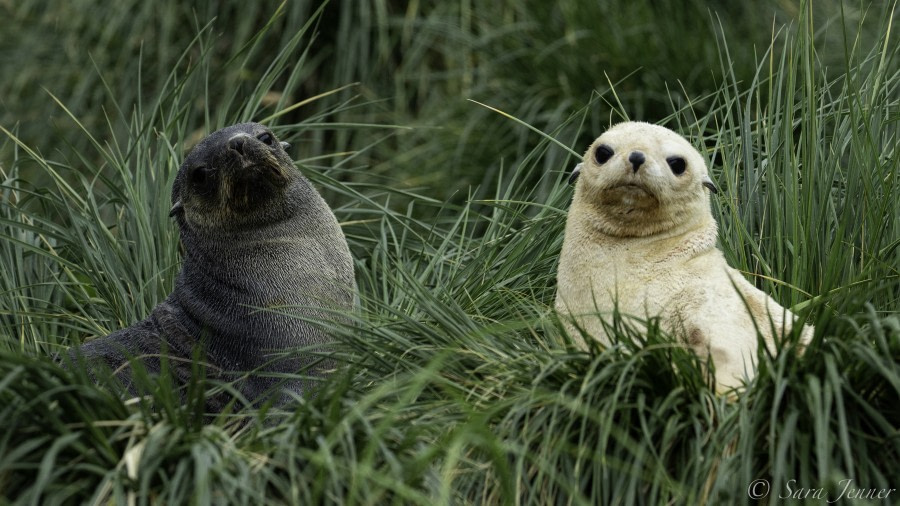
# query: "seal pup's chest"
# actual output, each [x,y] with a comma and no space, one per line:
[254,290]
[634,274]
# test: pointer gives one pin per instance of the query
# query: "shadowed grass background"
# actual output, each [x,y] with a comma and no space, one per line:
[460,386]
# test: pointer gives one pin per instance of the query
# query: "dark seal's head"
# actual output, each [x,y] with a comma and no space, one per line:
[231,177]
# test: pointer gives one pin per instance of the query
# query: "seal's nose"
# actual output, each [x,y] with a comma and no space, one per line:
[637,159]
[236,143]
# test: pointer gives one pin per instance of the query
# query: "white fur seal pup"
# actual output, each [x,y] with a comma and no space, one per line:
[640,234]
[256,236]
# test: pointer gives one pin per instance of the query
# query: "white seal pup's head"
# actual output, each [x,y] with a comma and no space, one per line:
[639,179]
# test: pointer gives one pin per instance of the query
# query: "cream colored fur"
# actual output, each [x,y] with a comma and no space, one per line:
[645,238]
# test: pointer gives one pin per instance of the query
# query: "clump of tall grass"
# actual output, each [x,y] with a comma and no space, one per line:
[458,383]
[421,61]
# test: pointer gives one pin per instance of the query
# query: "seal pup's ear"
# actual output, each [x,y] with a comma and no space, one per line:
[285,145]
[707,182]
[575,172]
[177,207]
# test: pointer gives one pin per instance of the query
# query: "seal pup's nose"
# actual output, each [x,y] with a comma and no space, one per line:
[237,143]
[637,159]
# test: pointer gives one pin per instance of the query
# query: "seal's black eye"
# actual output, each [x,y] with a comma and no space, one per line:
[266,138]
[677,164]
[603,153]
[200,174]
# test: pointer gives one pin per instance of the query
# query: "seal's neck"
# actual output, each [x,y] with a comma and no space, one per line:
[241,287]
[281,229]
[688,238]
[267,262]
[285,262]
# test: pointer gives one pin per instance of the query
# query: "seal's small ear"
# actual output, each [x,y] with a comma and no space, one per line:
[176,208]
[575,172]
[285,146]
[707,182]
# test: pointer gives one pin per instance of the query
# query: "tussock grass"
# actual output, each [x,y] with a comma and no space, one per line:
[457,384]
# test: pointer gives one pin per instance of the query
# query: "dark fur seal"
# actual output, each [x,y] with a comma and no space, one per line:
[259,244]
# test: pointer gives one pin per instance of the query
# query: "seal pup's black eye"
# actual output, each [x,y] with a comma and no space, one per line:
[266,138]
[200,174]
[603,153]
[677,164]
